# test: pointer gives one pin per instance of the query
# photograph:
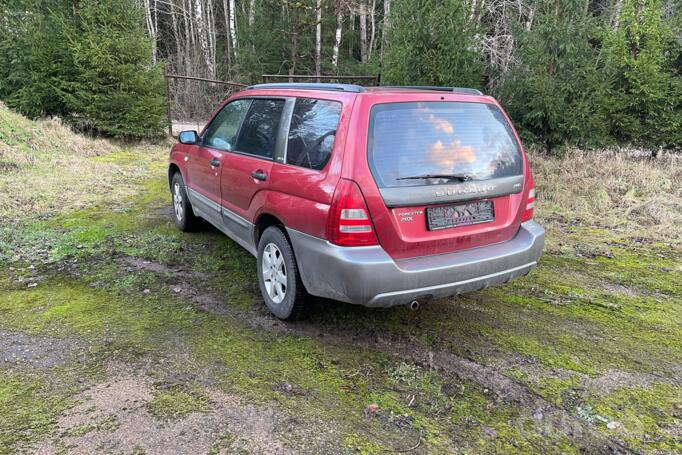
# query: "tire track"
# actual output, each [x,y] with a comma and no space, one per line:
[506,390]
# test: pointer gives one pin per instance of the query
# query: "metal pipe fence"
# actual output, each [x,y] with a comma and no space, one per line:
[190,100]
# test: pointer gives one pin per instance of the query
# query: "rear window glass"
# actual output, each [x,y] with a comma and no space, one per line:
[258,135]
[409,140]
[312,132]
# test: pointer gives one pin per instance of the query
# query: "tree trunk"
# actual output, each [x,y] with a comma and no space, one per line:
[233,29]
[372,22]
[318,39]
[363,32]
[226,10]
[150,19]
[202,25]
[337,36]
[188,38]
[252,21]
[352,28]
[615,19]
[292,55]
[179,57]
[252,13]
[386,28]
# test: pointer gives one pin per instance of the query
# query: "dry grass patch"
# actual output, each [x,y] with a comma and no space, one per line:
[622,191]
[45,167]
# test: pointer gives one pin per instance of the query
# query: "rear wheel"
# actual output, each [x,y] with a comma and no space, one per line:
[278,276]
[184,216]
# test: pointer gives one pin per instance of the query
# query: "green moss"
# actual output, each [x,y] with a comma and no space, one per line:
[27,410]
[176,402]
[555,388]
[225,443]
[362,444]
[63,308]
[649,418]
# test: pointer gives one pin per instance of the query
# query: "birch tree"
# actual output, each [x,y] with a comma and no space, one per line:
[372,22]
[318,38]
[151,15]
[363,31]
[339,7]
[233,28]
[228,40]
[205,27]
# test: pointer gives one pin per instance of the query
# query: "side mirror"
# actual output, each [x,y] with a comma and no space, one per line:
[188,137]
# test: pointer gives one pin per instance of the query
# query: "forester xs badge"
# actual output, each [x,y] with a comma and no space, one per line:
[409,216]
[467,188]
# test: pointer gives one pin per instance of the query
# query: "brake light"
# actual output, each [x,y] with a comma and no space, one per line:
[349,220]
[530,201]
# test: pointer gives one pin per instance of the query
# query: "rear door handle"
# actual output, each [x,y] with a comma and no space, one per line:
[215,162]
[259,175]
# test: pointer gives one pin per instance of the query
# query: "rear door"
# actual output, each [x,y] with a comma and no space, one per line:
[247,170]
[449,175]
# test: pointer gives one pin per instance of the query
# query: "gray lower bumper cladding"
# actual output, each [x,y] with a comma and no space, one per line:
[369,276]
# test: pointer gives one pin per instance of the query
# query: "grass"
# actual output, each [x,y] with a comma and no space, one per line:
[594,331]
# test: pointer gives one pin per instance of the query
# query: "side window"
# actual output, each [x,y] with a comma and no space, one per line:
[222,132]
[312,132]
[258,135]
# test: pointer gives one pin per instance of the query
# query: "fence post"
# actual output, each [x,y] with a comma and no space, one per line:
[168,101]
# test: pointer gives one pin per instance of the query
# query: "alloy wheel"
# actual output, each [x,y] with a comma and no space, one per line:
[274,273]
[177,201]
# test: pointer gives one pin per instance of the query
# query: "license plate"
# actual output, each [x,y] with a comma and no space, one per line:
[459,215]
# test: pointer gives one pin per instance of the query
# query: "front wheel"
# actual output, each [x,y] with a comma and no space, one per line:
[278,276]
[184,217]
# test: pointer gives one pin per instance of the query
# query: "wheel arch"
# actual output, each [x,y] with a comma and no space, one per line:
[172,170]
[263,222]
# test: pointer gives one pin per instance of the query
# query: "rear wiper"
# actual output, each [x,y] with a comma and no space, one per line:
[460,177]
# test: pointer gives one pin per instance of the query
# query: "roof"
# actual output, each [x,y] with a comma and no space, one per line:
[359,89]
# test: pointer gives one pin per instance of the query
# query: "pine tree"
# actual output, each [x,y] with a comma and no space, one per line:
[432,42]
[643,55]
[557,94]
[86,61]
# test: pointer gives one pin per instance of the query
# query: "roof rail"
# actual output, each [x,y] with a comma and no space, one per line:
[309,86]
[462,90]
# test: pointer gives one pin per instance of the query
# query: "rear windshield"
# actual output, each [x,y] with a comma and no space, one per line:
[411,140]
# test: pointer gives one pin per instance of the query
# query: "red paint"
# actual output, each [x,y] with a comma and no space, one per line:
[300,198]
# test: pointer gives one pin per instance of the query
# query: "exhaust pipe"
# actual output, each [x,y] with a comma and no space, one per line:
[414,305]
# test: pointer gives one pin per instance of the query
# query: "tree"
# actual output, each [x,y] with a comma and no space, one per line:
[643,56]
[557,92]
[115,89]
[432,43]
[89,62]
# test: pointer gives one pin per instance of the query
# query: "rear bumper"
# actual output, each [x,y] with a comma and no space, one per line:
[369,276]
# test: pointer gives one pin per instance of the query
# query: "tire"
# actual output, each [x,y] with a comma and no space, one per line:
[285,296]
[183,214]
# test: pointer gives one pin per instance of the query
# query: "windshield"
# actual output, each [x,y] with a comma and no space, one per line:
[429,143]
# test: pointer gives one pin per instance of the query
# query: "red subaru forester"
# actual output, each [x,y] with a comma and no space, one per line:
[375,196]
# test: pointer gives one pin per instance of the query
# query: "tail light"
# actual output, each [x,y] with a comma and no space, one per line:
[530,201]
[349,220]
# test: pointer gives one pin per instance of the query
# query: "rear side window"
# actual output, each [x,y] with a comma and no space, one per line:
[410,140]
[258,135]
[312,132]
